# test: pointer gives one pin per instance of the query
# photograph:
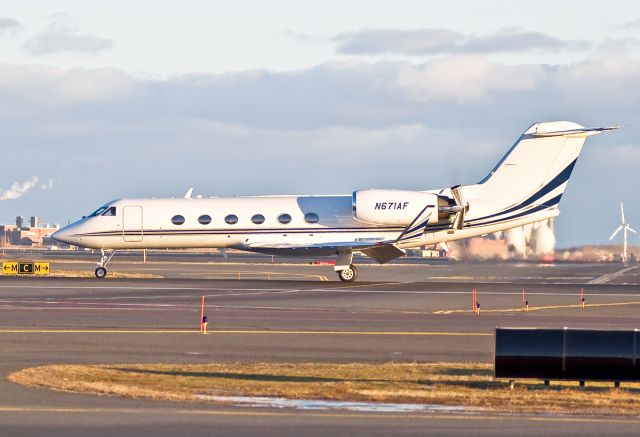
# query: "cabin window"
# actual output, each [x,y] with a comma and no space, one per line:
[311,217]
[204,219]
[109,212]
[177,220]
[231,219]
[284,219]
[258,219]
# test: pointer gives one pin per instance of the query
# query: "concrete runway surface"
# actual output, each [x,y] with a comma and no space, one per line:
[425,316]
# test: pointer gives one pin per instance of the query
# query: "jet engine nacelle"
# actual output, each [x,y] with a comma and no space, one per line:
[394,207]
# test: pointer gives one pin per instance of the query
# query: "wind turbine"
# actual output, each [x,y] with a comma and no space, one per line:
[624,227]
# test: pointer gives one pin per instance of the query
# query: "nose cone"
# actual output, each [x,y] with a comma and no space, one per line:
[66,235]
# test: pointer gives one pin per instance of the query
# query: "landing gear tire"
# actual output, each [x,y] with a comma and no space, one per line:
[101,272]
[349,274]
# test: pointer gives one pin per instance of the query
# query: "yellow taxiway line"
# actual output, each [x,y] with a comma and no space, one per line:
[241,331]
[548,307]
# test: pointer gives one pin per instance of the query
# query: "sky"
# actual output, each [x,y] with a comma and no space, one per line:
[106,100]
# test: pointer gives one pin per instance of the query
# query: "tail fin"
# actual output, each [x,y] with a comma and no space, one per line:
[538,166]
[534,172]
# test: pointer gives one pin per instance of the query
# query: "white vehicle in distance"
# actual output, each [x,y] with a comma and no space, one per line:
[524,187]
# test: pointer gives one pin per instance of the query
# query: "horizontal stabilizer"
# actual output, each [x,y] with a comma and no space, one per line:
[584,132]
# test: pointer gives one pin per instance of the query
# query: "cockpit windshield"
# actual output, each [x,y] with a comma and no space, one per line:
[99,211]
[104,210]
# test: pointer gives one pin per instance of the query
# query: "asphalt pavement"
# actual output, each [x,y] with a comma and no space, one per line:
[291,319]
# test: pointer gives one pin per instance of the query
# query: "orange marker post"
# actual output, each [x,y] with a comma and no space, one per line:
[474,297]
[523,298]
[202,314]
[474,303]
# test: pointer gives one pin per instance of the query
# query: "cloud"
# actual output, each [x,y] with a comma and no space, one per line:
[433,41]
[391,124]
[373,41]
[19,189]
[465,78]
[618,45]
[349,93]
[632,24]
[10,26]
[41,86]
[47,185]
[62,35]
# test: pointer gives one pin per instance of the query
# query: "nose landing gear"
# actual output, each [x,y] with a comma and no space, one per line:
[105,257]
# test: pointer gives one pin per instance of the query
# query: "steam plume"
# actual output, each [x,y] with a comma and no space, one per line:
[19,189]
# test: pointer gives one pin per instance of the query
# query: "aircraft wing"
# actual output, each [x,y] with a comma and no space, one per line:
[380,251]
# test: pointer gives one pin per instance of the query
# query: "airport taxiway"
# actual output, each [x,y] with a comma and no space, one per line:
[74,320]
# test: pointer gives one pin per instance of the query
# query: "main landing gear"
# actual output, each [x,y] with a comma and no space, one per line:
[348,274]
[346,271]
[105,257]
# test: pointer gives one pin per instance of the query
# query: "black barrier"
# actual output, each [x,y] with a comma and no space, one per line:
[573,354]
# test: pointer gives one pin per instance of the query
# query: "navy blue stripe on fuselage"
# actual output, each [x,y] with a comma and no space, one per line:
[241,231]
[548,204]
[560,179]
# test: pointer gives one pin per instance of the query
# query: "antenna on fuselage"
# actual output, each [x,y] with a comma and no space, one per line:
[188,193]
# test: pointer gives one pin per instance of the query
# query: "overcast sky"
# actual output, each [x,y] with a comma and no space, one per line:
[103,100]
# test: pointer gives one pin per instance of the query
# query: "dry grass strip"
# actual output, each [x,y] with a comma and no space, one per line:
[467,384]
[91,274]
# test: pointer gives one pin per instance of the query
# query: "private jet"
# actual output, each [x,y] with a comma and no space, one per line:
[524,187]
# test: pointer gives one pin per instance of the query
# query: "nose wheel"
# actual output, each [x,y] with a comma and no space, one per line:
[348,274]
[101,272]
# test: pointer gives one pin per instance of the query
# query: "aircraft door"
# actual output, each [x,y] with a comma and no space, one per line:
[132,223]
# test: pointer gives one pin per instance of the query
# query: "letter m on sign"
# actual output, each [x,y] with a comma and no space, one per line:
[10,268]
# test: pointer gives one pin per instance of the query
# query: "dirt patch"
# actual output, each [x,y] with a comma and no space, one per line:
[467,384]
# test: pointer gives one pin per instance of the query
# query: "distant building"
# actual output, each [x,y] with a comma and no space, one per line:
[5,234]
[19,235]
[479,248]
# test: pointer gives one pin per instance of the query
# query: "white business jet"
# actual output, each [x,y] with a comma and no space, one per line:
[524,187]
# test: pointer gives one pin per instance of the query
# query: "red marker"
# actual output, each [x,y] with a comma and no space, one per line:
[201,313]
[474,299]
